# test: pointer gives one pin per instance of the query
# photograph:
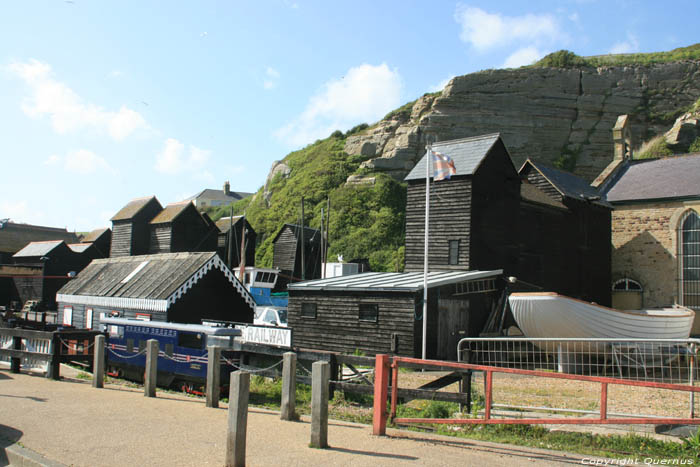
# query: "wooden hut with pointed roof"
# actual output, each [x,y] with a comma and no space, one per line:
[180,227]
[173,287]
[101,239]
[231,238]
[288,254]
[130,227]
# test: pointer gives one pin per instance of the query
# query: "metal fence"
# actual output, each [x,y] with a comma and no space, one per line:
[660,360]
[35,345]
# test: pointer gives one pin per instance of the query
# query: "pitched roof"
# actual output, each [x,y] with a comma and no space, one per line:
[219,195]
[171,212]
[14,237]
[133,207]
[148,282]
[467,154]
[225,223]
[666,178]
[94,235]
[392,281]
[310,235]
[567,184]
[79,247]
[38,249]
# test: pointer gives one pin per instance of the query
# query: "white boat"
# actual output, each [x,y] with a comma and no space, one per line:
[548,314]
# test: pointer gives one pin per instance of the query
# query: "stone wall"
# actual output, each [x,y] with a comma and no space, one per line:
[644,248]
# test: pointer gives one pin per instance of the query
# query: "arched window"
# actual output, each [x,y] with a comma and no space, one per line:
[689,260]
[627,294]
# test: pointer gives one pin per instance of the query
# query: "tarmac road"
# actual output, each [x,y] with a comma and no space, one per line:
[72,423]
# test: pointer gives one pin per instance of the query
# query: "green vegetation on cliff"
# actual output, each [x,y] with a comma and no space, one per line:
[567,59]
[366,220]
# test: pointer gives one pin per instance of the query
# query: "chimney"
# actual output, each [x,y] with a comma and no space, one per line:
[622,139]
[227,188]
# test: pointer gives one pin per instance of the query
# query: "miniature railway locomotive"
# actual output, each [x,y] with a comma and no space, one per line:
[182,350]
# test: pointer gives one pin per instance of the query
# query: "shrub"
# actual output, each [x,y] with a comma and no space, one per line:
[562,59]
[695,145]
[654,149]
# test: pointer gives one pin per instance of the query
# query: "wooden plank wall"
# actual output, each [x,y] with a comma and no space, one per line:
[285,249]
[337,326]
[121,239]
[160,238]
[450,219]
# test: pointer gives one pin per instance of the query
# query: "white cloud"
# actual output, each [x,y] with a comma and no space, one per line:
[521,57]
[66,110]
[21,212]
[631,45]
[174,159]
[485,31]
[272,77]
[365,94]
[441,85]
[81,162]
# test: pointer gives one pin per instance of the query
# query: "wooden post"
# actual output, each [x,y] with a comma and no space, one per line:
[213,376]
[16,362]
[381,383]
[149,386]
[239,391]
[466,388]
[54,370]
[98,363]
[289,386]
[320,377]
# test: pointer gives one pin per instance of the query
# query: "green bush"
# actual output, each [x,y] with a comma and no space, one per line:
[561,59]
[654,149]
[695,145]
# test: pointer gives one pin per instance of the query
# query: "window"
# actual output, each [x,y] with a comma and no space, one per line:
[454,252]
[67,315]
[88,318]
[130,345]
[190,340]
[689,258]
[627,294]
[142,345]
[369,312]
[169,350]
[627,285]
[308,310]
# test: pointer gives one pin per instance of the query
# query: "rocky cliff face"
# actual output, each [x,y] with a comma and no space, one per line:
[561,117]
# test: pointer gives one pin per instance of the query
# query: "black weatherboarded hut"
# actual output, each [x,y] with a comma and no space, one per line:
[174,287]
[130,227]
[382,312]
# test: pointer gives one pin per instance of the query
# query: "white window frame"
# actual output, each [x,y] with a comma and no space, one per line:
[67,315]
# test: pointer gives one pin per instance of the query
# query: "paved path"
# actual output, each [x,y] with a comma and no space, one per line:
[72,423]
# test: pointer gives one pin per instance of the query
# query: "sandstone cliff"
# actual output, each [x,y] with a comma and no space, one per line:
[562,117]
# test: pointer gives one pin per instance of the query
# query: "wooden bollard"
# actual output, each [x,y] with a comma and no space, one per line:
[149,387]
[239,391]
[213,375]
[54,369]
[289,387]
[98,363]
[320,377]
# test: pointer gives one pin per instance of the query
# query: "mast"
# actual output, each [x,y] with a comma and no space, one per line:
[303,246]
[230,242]
[323,260]
[242,263]
[428,163]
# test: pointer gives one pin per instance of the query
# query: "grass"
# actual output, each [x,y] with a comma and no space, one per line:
[567,59]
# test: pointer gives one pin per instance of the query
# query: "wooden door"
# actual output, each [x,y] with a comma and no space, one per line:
[453,325]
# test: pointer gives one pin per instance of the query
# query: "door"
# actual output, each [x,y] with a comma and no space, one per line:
[453,325]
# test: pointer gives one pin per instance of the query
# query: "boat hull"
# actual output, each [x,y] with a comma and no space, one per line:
[550,315]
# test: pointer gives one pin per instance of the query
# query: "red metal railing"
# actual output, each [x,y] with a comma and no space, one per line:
[382,367]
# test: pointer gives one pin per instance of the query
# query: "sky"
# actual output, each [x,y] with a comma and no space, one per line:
[102,102]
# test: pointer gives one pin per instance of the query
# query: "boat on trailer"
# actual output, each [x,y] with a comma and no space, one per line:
[551,315]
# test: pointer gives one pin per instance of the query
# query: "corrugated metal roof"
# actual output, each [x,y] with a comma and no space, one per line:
[37,249]
[568,184]
[667,178]
[94,235]
[467,154]
[392,281]
[225,222]
[170,212]
[132,208]
[154,281]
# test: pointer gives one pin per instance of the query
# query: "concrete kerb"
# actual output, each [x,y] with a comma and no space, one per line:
[19,455]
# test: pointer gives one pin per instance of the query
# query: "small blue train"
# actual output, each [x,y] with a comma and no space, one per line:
[182,350]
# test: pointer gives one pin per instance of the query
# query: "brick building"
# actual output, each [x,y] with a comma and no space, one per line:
[655,232]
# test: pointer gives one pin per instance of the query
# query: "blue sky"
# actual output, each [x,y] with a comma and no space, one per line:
[102,102]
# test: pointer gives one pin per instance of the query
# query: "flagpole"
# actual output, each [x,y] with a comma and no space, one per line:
[428,163]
